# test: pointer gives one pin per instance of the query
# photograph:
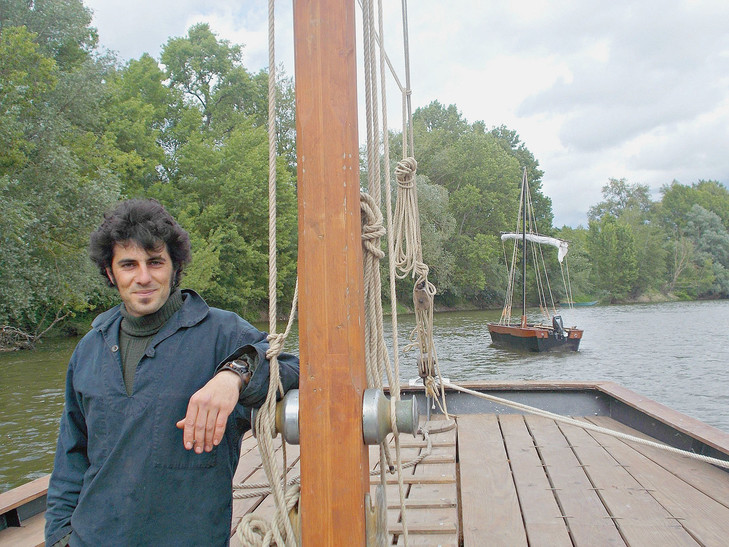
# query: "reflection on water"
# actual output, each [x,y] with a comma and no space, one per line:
[676,354]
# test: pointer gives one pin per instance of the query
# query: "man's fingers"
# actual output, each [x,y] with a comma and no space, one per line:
[210,430]
[207,412]
[188,427]
[199,430]
[220,424]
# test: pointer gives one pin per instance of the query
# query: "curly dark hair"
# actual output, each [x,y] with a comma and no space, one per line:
[146,223]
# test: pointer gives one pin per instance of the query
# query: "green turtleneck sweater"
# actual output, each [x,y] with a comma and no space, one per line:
[136,333]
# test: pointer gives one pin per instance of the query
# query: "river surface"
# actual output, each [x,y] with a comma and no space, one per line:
[674,353]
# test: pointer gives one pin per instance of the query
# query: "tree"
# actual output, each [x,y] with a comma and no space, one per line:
[138,110]
[437,227]
[611,247]
[55,179]
[25,76]
[620,197]
[678,199]
[62,28]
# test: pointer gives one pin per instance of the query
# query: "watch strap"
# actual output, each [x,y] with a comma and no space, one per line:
[240,367]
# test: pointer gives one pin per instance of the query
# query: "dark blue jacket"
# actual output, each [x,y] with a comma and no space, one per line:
[121,474]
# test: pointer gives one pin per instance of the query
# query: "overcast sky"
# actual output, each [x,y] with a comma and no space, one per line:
[635,89]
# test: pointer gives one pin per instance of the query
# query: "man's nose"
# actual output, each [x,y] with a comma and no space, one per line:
[143,276]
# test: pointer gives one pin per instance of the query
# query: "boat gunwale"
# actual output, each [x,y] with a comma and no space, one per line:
[531,331]
[687,425]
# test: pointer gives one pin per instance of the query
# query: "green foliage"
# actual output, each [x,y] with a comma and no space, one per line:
[481,171]
[621,197]
[437,227]
[611,246]
[54,177]
[678,199]
[62,28]
[26,75]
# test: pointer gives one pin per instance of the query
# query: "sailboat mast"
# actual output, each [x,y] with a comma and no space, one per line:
[523,247]
[334,458]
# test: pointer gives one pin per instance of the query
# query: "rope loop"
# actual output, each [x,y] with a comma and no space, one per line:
[275,345]
[405,172]
[373,228]
[258,532]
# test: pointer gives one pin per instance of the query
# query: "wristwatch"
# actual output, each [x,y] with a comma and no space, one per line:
[241,368]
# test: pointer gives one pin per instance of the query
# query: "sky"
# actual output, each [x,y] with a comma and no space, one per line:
[596,89]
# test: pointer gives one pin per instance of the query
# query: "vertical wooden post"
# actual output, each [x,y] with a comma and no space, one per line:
[334,459]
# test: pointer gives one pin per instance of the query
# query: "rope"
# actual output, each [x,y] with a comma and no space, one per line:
[260,489]
[372,231]
[375,350]
[408,259]
[589,427]
[253,530]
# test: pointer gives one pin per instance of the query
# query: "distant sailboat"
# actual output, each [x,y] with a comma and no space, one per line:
[536,336]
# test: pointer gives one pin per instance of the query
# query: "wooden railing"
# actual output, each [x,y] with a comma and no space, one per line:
[22,514]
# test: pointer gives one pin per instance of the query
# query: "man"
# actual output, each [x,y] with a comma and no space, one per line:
[158,395]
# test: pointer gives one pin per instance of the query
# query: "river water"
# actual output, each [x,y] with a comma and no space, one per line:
[674,353]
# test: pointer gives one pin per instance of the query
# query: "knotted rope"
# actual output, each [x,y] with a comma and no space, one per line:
[408,259]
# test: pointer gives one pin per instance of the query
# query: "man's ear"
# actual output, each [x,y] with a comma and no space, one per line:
[110,276]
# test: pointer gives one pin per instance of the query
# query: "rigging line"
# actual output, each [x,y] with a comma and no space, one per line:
[374,322]
[252,530]
[589,427]
[370,98]
[569,283]
[406,47]
[393,375]
[393,73]
[542,295]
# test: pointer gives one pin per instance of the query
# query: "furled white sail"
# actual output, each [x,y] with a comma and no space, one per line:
[544,240]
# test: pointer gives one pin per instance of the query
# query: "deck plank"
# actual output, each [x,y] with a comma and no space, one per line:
[711,480]
[639,517]
[431,506]
[31,533]
[542,516]
[489,502]
[587,518]
[702,516]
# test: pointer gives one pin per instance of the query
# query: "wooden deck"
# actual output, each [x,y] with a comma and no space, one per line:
[508,479]
[520,480]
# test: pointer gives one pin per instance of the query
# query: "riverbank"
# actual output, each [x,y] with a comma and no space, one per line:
[12,339]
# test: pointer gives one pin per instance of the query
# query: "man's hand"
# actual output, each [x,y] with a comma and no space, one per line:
[208,411]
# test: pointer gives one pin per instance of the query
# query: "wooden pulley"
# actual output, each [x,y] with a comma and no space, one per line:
[421,298]
[426,366]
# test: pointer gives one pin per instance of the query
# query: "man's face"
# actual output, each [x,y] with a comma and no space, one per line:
[143,278]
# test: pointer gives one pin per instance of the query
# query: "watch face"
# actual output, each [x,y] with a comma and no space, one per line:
[238,366]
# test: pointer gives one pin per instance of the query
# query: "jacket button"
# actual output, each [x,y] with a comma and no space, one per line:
[114,348]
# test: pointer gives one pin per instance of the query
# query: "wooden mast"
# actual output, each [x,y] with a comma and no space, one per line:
[523,249]
[334,458]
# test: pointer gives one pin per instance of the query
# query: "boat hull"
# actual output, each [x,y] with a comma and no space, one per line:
[536,338]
